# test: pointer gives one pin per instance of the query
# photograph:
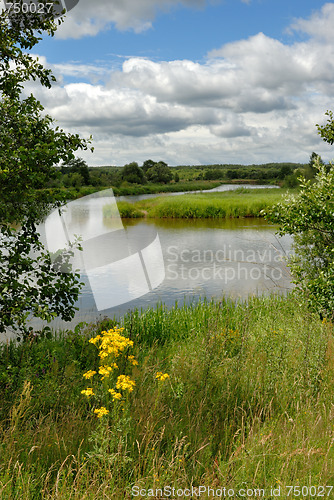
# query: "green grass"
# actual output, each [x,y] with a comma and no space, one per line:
[248,403]
[73,193]
[242,202]
[136,189]
[126,210]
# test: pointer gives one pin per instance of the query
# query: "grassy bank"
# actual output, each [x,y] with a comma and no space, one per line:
[248,403]
[73,193]
[192,185]
[242,202]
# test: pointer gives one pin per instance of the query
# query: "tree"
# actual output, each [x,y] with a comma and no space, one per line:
[232,174]
[29,150]
[308,217]
[31,283]
[159,173]
[133,173]
[314,158]
[77,166]
[213,174]
[284,171]
[148,164]
[327,131]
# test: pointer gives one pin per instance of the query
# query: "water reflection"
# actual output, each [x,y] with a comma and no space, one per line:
[206,257]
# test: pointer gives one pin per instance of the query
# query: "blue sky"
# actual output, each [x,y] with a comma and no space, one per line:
[193,82]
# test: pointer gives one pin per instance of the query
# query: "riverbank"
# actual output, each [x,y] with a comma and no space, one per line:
[247,404]
[73,193]
[241,202]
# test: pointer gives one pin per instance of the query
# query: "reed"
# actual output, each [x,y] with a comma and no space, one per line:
[240,203]
[248,403]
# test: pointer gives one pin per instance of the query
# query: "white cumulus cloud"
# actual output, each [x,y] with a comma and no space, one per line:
[251,101]
[91,17]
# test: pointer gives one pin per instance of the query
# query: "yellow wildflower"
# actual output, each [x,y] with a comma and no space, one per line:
[89,374]
[95,339]
[115,395]
[132,360]
[101,411]
[161,376]
[103,354]
[88,392]
[105,371]
[124,382]
[113,343]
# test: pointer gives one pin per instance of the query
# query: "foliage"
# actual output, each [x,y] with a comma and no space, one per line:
[113,351]
[248,399]
[133,173]
[148,164]
[30,147]
[149,188]
[214,174]
[20,32]
[242,203]
[327,131]
[309,218]
[79,167]
[30,283]
[159,173]
[111,176]
[126,210]
[315,159]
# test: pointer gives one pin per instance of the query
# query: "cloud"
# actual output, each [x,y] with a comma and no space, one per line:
[218,84]
[123,112]
[91,17]
[319,26]
[253,100]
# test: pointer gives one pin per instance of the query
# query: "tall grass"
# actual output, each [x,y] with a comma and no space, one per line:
[239,203]
[126,210]
[136,189]
[72,193]
[248,403]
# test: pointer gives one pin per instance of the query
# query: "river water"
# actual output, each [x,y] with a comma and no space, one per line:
[138,263]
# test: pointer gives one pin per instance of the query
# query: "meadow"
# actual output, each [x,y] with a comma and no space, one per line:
[241,202]
[126,189]
[225,394]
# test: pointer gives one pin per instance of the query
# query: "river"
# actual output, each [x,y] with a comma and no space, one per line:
[138,263]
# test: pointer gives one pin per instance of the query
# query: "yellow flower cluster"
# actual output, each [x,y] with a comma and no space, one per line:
[89,374]
[115,395]
[105,371]
[88,392]
[124,382]
[101,411]
[132,360]
[111,342]
[161,376]
[111,345]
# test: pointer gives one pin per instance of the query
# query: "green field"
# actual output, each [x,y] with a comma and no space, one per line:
[248,403]
[242,202]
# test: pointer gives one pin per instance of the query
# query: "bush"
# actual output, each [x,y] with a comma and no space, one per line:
[309,218]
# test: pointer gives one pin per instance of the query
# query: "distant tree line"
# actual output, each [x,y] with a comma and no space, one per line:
[77,174]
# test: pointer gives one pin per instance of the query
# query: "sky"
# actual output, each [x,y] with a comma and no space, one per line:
[194,81]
